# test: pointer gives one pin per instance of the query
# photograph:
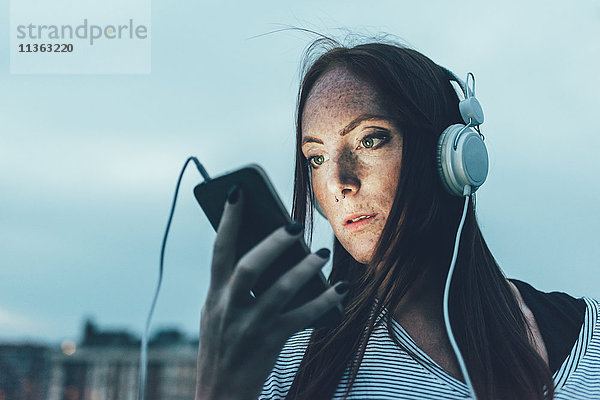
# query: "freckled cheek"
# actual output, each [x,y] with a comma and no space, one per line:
[321,193]
[384,184]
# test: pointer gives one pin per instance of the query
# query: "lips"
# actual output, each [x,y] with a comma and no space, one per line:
[355,222]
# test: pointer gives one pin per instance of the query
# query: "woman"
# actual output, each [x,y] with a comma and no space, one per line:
[368,123]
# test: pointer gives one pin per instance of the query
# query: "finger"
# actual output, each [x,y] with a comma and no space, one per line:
[260,257]
[284,289]
[301,317]
[224,250]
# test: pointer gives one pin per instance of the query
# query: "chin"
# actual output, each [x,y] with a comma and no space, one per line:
[363,260]
[362,255]
[360,245]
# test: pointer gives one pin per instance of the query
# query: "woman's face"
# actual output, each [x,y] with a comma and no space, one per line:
[355,154]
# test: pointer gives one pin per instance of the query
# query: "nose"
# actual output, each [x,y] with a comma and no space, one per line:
[343,180]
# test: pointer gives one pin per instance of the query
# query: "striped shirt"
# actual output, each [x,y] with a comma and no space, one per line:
[389,372]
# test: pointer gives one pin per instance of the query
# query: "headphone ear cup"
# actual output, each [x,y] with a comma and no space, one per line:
[441,160]
[467,164]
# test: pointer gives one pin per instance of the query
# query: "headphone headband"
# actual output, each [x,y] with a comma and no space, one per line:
[453,78]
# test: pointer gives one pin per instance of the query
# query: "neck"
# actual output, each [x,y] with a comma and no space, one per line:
[424,296]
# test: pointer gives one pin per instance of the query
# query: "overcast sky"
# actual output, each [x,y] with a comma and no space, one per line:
[88,163]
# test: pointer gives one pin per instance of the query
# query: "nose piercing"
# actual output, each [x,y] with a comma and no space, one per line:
[336,199]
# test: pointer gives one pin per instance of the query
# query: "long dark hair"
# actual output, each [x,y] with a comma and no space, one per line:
[416,242]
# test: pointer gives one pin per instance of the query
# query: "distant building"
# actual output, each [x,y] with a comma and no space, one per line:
[24,372]
[105,366]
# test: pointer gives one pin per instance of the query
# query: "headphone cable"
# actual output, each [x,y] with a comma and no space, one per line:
[144,344]
[461,361]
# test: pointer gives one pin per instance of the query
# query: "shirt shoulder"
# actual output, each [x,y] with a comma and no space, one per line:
[282,375]
[579,376]
[559,317]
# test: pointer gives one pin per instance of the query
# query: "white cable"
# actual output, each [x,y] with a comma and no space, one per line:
[461,361]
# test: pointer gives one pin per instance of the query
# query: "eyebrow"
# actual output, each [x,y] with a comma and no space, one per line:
[347,129]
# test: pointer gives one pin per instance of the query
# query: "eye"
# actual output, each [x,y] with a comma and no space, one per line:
[368,142]
[315,161]
[374,140]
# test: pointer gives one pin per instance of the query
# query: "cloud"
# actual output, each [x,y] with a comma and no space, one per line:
[17,325]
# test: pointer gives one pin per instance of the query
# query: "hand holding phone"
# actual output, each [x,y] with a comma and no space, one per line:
[263,213]
[259,293]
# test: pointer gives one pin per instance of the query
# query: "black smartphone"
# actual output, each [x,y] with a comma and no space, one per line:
[263,213]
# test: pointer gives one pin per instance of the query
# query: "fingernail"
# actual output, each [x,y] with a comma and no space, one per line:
[294,228]
[233,194]
[323,253]
[342,287]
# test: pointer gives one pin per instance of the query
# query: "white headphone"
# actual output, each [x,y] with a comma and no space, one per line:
[462,158]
